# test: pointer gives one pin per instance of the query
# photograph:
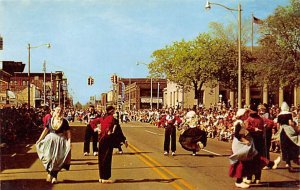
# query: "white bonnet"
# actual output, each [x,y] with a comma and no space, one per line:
[190,114]
[285,109]
[240,112]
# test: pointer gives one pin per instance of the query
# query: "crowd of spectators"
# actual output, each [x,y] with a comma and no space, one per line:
[216,120]
[18,123]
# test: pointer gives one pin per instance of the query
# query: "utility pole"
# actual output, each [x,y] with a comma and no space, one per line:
[44,69]
[157,95]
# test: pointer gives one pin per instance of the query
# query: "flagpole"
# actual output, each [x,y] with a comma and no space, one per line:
[252,34]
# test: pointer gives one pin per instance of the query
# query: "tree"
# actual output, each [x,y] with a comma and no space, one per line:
[228,73]
[279,56]
[230,31]
[78,106]
[190,64]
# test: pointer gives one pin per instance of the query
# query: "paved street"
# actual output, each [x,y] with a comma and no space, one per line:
[142,166]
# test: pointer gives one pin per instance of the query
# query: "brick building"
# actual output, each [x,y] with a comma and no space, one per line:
[135,93]
[18,83]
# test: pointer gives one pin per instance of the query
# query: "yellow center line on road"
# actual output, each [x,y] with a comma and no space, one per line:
[141,157]
[147,158]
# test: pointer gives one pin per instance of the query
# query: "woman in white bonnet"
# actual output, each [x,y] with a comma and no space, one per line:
[242,148]
[289,136]
[54,145]
[193,138]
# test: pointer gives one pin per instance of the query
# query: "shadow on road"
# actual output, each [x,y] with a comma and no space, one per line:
[25,184]
[20,160]
[123,181]
[203,155]
[282,184]
[144,180]
[79,160]
[131,153]
[79,181]
[85,163]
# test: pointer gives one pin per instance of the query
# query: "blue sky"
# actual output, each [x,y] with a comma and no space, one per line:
[101,37]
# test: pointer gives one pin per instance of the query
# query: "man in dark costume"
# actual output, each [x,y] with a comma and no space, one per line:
[106,144]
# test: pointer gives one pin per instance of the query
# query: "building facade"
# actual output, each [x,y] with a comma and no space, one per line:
[55,89]
[139,93]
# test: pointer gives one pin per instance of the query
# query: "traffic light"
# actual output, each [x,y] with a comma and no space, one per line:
[1,43]
[114,79]
[92,81]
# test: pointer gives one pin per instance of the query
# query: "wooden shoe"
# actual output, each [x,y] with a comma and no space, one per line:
[276,162]
[242,185]
[54,180]
[106,181]
[49,178]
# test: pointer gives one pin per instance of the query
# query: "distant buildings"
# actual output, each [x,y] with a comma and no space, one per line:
[144,93]
[14,87]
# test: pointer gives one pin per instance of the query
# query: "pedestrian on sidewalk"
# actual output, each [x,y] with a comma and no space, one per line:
[54,145]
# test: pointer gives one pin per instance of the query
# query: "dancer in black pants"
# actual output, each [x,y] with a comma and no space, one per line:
[91,132]
[169,122]
[106,144]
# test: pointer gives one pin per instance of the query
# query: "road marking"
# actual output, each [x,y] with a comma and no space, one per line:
[182,181]
[154,133]
[14,154]
[141,157]
[211,152]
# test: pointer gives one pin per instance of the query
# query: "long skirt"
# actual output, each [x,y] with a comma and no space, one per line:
[241,159]
[289,144]
[105,157]
[189,138]
[55,152]
[241,151]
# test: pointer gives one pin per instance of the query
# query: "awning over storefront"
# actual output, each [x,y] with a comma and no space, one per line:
[12,66]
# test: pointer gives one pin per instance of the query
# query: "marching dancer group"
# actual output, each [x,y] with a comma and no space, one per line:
[251,149]
[250,145]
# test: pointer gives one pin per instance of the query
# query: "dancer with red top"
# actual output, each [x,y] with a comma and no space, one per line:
[106,144]
[169,122]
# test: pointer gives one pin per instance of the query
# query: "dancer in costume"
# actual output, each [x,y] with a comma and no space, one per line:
[106,144]
[54,148]
[243,149]
[192,138]
[289,136]
[90,132]
[169,122]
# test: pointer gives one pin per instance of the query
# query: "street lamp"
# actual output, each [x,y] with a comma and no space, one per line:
[239,10]
[29,48]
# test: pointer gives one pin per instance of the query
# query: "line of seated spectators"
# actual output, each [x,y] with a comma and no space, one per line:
[18,123]
[216,121]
